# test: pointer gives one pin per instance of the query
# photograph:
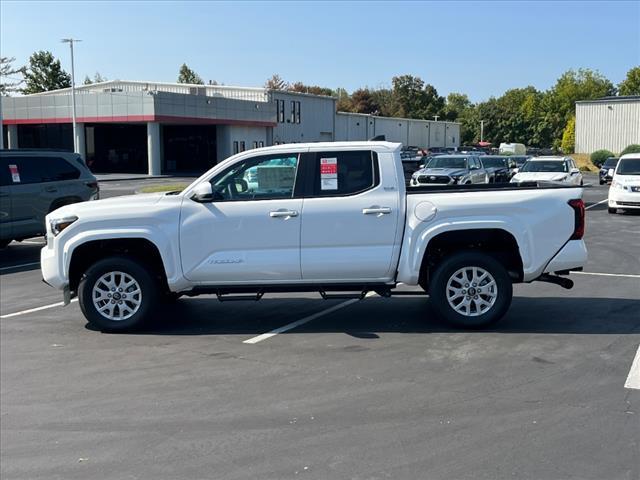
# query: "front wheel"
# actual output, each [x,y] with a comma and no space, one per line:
[118,293]
[4,243]
[471,289]
[612,210]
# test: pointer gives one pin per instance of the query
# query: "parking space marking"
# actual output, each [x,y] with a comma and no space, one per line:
[633,379]
[302,321]
[13,267]
[623,275]
[37,309]
[596,204]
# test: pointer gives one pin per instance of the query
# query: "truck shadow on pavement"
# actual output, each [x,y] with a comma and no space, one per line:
[373,317]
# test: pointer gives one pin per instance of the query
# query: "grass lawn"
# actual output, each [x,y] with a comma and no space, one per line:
[163,187]
[583,162]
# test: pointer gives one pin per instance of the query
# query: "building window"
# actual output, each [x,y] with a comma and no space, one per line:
[297,112]
[255,144]
[260,144]
[235,148]
[242,146]
[280,111]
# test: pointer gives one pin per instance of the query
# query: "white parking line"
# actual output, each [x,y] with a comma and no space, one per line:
[13,267]
[37,309]
[624,275]
[633,380]
[302,321]
[596,204]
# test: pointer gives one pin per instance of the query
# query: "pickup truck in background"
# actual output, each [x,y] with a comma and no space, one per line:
[326,217]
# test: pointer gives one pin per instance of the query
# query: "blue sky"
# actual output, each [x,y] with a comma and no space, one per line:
[478,48]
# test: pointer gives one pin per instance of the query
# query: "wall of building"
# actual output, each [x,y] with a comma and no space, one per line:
[607,124]
[317,117]
[418,133]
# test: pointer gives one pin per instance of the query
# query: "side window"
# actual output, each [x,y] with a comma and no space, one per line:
[266,177]
[5,173]
[344,173]
[28,170]
[60,169]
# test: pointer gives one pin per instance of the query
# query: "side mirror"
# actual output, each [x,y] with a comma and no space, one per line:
[202,193]
[574,171]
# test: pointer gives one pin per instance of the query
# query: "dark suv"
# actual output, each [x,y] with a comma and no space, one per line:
[33,183]
[607,169]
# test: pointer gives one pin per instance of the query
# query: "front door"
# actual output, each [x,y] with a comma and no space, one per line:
[349,218]
[250,233]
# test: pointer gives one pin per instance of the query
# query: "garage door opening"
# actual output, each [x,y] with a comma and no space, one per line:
[189,148]
[113,148]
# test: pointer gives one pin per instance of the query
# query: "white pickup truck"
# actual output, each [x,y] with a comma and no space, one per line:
[329,217]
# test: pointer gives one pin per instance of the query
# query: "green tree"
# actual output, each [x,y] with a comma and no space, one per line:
[9,81]
[300,87]
[569,136]
[275,83]
[412,98]
[362,101]
[44,73]
[97,78]
[186,75]
[599,156]
[559,102]
[456,104]
[631,84]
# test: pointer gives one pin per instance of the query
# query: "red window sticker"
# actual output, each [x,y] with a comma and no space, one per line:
[15,174]
[328,174]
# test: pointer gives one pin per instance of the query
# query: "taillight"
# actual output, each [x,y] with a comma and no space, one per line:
[578,207]
[93,185]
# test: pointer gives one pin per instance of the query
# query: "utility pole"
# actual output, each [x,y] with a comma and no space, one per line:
[71,41]
[481,130]
[435,117]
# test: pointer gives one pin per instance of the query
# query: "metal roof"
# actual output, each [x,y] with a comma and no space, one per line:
[620,98]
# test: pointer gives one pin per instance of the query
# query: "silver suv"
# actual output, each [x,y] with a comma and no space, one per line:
[33,183]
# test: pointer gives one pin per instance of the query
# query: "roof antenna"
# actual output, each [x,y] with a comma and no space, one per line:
[378,138]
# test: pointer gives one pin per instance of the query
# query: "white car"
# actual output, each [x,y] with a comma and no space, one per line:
[324,217]
[625,187]
[549,169]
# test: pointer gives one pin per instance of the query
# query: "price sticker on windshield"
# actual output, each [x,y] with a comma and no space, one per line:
[328,174]
[15,174]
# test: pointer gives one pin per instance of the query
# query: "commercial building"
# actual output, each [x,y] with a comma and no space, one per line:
[150,127]
[611,122]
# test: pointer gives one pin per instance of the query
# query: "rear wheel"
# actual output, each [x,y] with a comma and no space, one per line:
[118,293]
[471,289]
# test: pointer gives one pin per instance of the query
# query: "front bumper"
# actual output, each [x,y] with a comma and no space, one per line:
[623,199]
[52,266]
[572,256]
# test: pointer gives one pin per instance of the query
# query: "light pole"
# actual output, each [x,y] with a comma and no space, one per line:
[481,130]
[71,41]
[435,118]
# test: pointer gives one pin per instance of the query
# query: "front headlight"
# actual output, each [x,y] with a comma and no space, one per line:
[59,224]
[617,185]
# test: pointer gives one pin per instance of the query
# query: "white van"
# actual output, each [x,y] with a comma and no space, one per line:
[513,148]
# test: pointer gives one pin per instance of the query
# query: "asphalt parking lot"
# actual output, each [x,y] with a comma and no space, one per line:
[368,389]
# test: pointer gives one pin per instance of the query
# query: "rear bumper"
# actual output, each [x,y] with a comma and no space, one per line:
[572,256]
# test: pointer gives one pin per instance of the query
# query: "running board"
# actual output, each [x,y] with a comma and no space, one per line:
[563,282]
[238,297]
[342,296]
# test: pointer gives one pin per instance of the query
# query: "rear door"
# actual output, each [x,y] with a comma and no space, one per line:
[349,217]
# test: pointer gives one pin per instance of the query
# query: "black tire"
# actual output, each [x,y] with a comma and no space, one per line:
[602,183]
[444,272]
[582,183]
[612,210]
[4,243]
[139,272]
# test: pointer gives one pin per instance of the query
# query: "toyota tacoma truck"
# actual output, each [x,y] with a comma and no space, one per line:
[334,218]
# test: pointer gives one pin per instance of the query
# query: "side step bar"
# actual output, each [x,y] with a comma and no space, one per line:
[563,282]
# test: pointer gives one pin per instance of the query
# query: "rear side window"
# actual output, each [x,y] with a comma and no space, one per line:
[344,173]
[24,170]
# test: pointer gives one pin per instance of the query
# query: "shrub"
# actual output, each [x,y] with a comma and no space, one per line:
[599,156]
[569,136]
[633,148]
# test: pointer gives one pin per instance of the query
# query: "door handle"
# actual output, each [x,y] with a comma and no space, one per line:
[376,211]
[283,213]
[51,189]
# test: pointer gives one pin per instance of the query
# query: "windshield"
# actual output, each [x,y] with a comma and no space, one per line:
[610,163]
[494,162]
[629,166]
[544,166]
[447,162]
